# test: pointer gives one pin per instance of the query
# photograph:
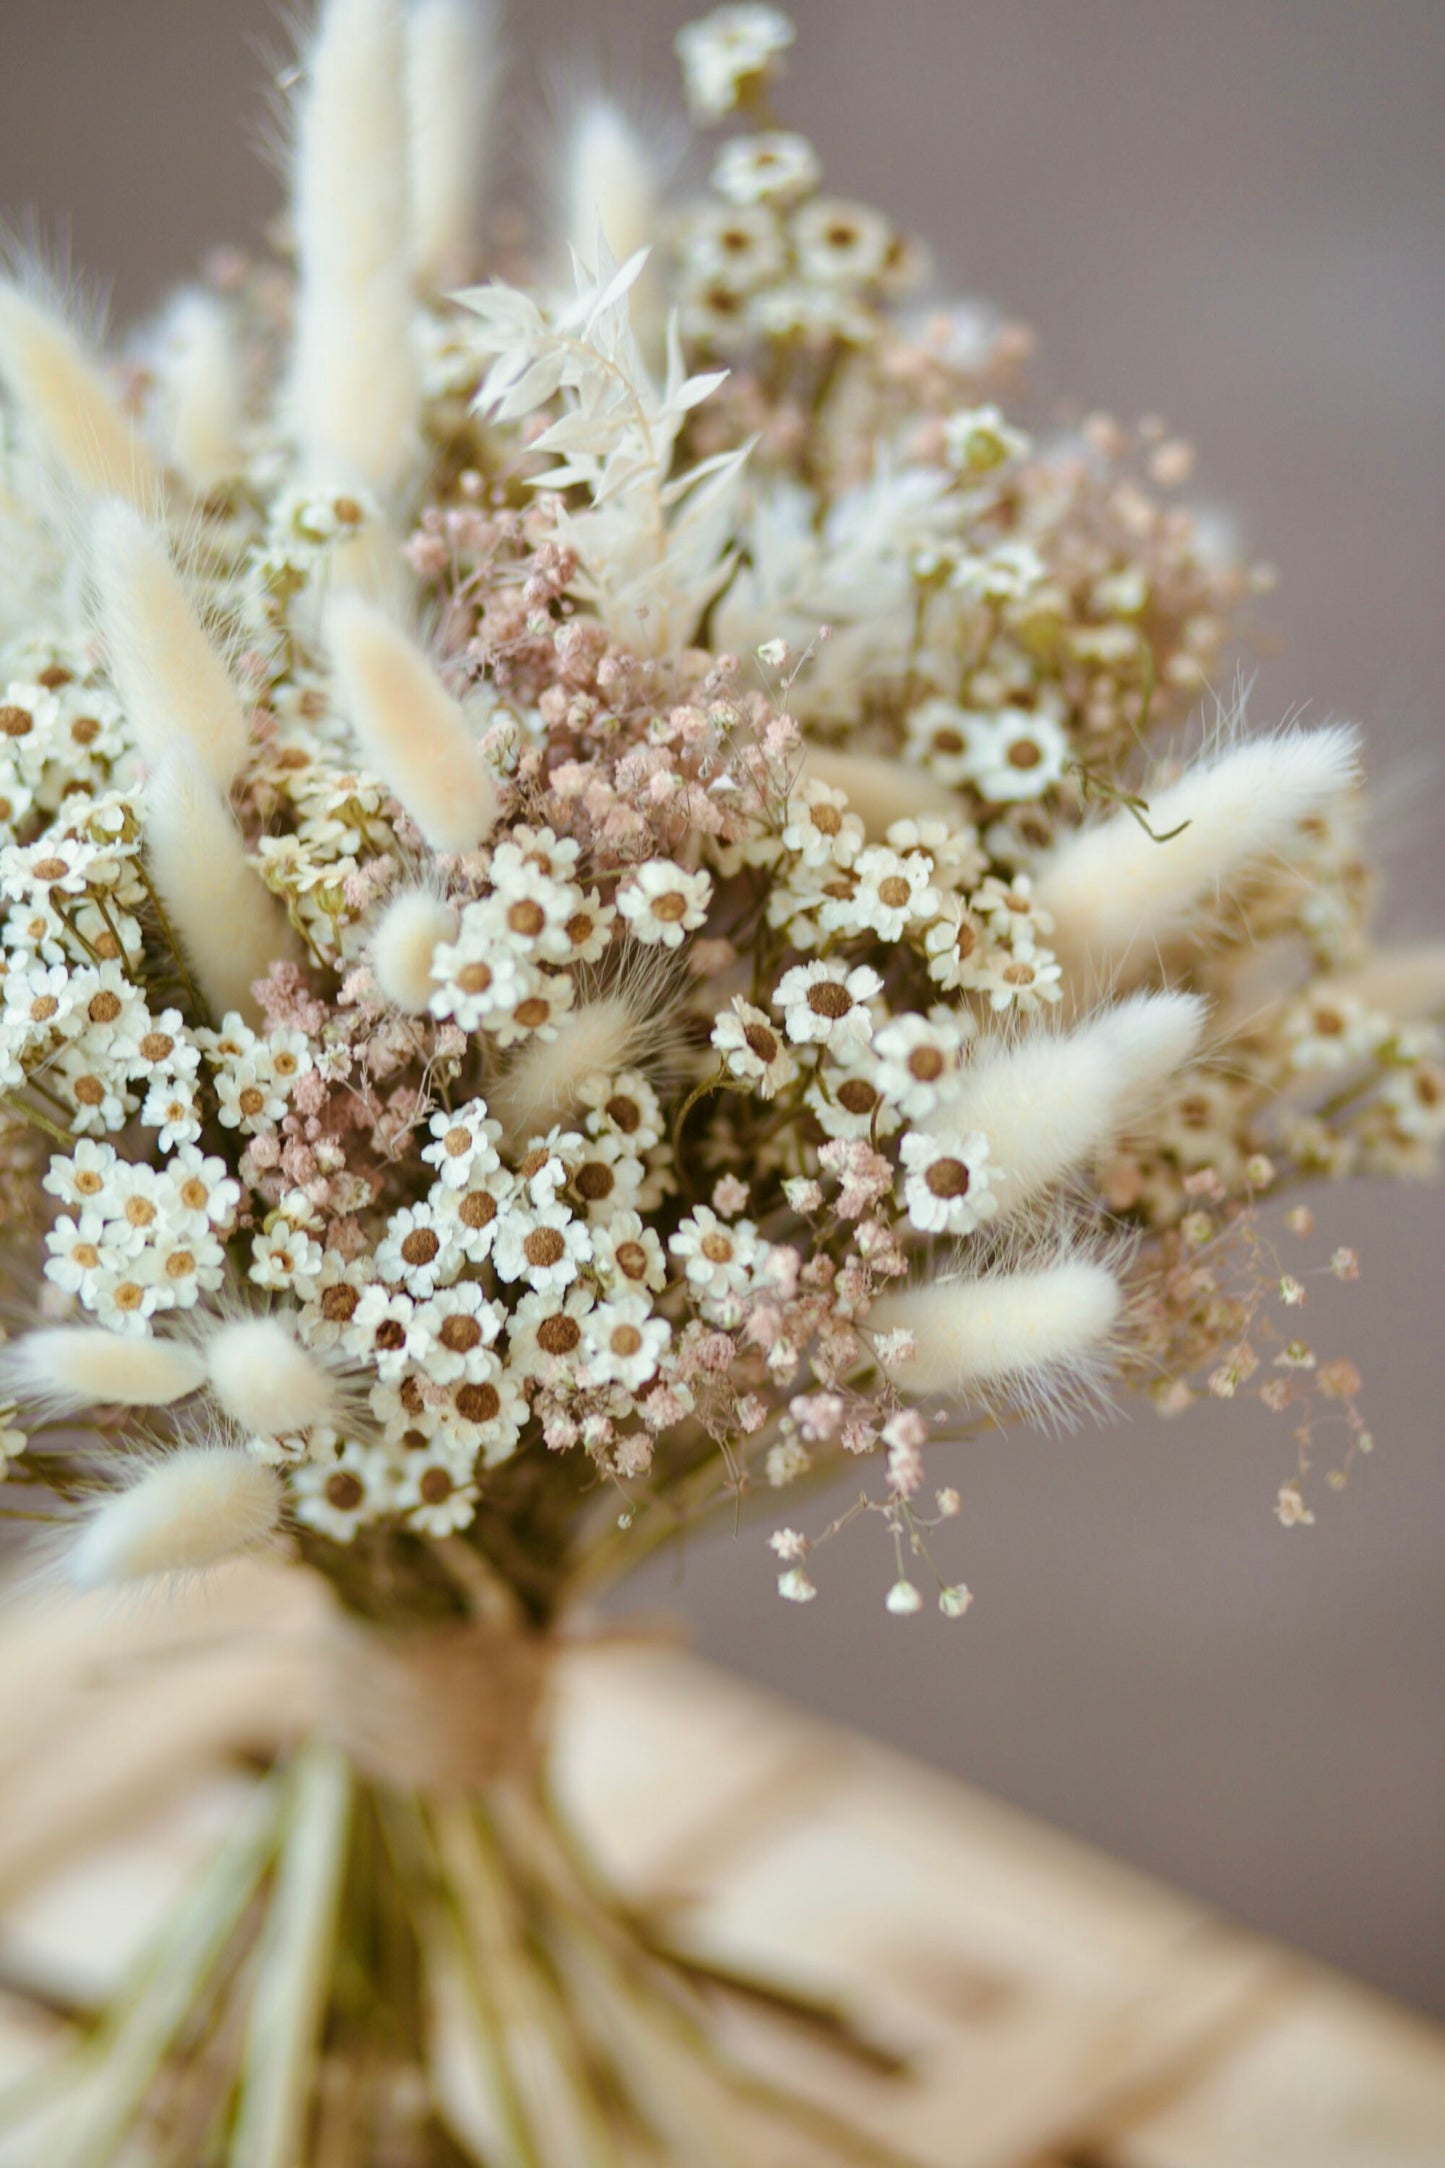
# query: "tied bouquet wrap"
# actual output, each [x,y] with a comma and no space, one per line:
[618,892]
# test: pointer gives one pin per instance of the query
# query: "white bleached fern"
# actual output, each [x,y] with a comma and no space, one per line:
[654,547]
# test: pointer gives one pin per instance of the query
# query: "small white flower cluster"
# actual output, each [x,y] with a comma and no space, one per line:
[58,730]
[914,888]
[769,259]
[132,1240]
[1005,756]
[505,972]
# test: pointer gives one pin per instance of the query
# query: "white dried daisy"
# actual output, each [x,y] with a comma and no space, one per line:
[730,56]
[662,903]
[434,1498]
[946,1187]
[978,439]
[624,1343]
[627,1254]
[950,741]
[463,1144]
[479,977]
[718,1258]
[752,1049]
[852,1105]
[1023,756]
[821,830]
[543,1245]
[732,249]
[341,1496]
[624,1106]
[419,1250]
[1019,982]
[841,244]
[772,167]
[913,1055]
[894,891]
[546,1332]
[827,1004]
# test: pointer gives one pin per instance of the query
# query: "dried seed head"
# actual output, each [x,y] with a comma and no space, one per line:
[265,1380]
[196,1507]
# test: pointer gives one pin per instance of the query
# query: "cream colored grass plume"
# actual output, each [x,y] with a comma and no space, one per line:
[187,1510]
[452,71]
[201,380]
[76,1366]
[68,412]
[354,383]
[412,732]
[1118,894]
[259,1374]
[611,184]
[229,928]
[610,187]
[172,681]
[601,1037]
[1049,1102]
[411,928]
[1038,1332]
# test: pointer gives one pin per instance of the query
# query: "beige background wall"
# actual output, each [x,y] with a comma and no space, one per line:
[1229,213]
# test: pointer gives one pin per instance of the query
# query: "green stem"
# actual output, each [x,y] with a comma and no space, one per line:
[293,1982]
[471,1931]
[37,1119]
[114,2070]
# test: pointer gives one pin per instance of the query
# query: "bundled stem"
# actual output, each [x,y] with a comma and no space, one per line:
[365,1964]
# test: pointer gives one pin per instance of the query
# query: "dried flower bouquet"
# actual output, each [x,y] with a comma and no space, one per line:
[593,923]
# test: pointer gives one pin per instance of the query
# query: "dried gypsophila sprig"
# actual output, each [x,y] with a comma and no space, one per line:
[401,1013]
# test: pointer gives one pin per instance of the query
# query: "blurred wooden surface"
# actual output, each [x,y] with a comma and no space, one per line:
[1049,2008]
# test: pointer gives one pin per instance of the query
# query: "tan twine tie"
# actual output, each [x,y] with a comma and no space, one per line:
[450,1709]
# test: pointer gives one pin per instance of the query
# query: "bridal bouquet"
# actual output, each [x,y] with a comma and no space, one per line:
[610,906]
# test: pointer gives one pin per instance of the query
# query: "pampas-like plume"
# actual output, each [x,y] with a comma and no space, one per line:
[77,1366]
[412,732]
[354,386]
[612,190]
[611,185]
[541,1085]
[1015,1332]
[173,685]
[1117,895]
[1050,1101]
[230,929]
[190,1510]
[264,1379]
[69,411]
[452,69]
[882,791]
[406,938]
[202,385]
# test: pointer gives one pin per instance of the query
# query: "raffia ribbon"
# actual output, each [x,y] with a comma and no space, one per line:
[449,1709]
